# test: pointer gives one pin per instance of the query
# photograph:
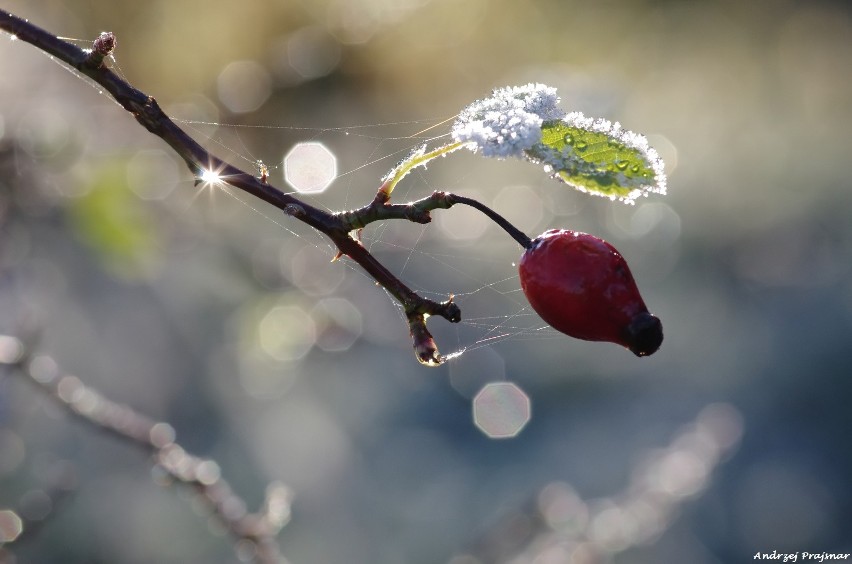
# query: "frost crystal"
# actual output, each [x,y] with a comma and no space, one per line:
[509,122]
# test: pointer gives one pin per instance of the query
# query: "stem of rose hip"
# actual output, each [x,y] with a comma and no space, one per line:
[516,233]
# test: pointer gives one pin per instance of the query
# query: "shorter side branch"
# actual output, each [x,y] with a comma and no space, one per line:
[380,209]
[254,533]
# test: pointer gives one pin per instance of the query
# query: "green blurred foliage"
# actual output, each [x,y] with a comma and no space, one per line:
[110,218]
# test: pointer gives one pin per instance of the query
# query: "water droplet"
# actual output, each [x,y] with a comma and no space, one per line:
[622,165]
[635,168]
[581,145]
[569,139]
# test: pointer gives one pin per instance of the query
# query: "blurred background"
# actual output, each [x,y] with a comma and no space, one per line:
[215,313]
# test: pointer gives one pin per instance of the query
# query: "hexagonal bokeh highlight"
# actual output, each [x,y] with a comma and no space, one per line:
[11,526]
[244,86]
[501,410]
[310,167]
[286,333]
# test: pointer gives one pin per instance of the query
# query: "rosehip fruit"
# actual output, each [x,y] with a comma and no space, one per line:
[581,286]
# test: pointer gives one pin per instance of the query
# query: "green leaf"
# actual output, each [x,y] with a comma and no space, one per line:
[598,157]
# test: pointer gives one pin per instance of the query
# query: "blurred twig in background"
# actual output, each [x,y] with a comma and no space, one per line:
[559,526]
[254,533]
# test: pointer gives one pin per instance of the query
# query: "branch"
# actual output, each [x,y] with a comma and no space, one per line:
[380,209]
[199,161]
[254,530]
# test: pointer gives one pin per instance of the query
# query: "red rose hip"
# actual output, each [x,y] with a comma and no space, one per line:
[581,286]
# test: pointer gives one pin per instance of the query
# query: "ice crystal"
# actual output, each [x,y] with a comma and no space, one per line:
[507,123]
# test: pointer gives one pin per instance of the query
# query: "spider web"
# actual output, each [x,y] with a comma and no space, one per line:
[430,259]
[484,284]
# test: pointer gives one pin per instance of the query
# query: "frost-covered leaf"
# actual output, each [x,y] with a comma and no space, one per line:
[599,157]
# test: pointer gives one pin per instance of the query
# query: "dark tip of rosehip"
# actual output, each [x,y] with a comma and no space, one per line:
[644,334]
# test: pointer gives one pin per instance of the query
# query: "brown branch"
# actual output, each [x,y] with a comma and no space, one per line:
[254,533]
[380,209]
[149,114]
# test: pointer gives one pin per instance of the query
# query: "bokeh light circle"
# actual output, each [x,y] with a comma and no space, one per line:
[310,167]
[501,410]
